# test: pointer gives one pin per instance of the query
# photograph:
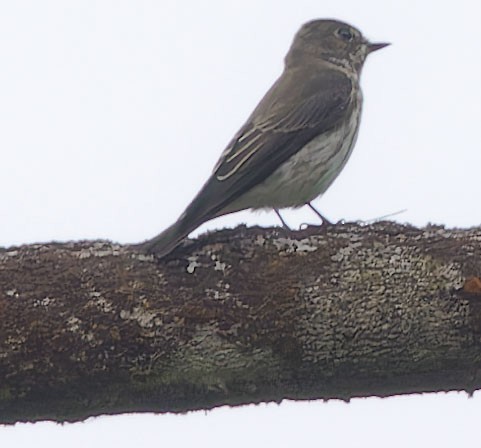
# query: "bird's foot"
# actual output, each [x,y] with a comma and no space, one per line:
[325,222]
[284,224]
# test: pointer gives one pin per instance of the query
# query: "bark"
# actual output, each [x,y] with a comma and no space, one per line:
[239,316]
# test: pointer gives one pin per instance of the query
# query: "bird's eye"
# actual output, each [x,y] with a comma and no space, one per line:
[345,34]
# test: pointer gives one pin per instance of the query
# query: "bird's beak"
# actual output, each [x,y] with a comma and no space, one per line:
[374,47]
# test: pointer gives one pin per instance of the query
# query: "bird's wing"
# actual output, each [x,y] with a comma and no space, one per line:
[274,133]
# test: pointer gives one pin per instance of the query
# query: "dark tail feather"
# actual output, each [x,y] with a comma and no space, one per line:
[167,241]
[194,215]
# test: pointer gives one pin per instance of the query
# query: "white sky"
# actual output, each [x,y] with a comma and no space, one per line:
[113,113]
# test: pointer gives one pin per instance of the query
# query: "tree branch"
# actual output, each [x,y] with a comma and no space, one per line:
[238,316]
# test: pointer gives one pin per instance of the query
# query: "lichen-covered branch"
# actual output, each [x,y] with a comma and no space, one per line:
[238,316]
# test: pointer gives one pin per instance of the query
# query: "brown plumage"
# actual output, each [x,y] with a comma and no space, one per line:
[297,139]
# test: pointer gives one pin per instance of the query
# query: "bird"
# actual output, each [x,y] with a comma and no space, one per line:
[296,141]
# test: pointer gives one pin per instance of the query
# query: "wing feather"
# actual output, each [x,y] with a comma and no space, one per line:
[273,133]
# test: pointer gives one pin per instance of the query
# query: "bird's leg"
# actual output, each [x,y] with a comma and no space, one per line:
[325,221]
[284,224]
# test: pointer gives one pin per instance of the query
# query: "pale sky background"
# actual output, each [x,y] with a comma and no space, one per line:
[113,113]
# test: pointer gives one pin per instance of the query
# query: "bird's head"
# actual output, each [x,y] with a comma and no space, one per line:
[333,41]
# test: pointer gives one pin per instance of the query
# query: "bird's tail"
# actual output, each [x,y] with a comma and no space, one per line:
[198,211]
[167,241]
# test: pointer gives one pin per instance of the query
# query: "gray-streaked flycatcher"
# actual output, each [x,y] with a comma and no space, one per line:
[296,141]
